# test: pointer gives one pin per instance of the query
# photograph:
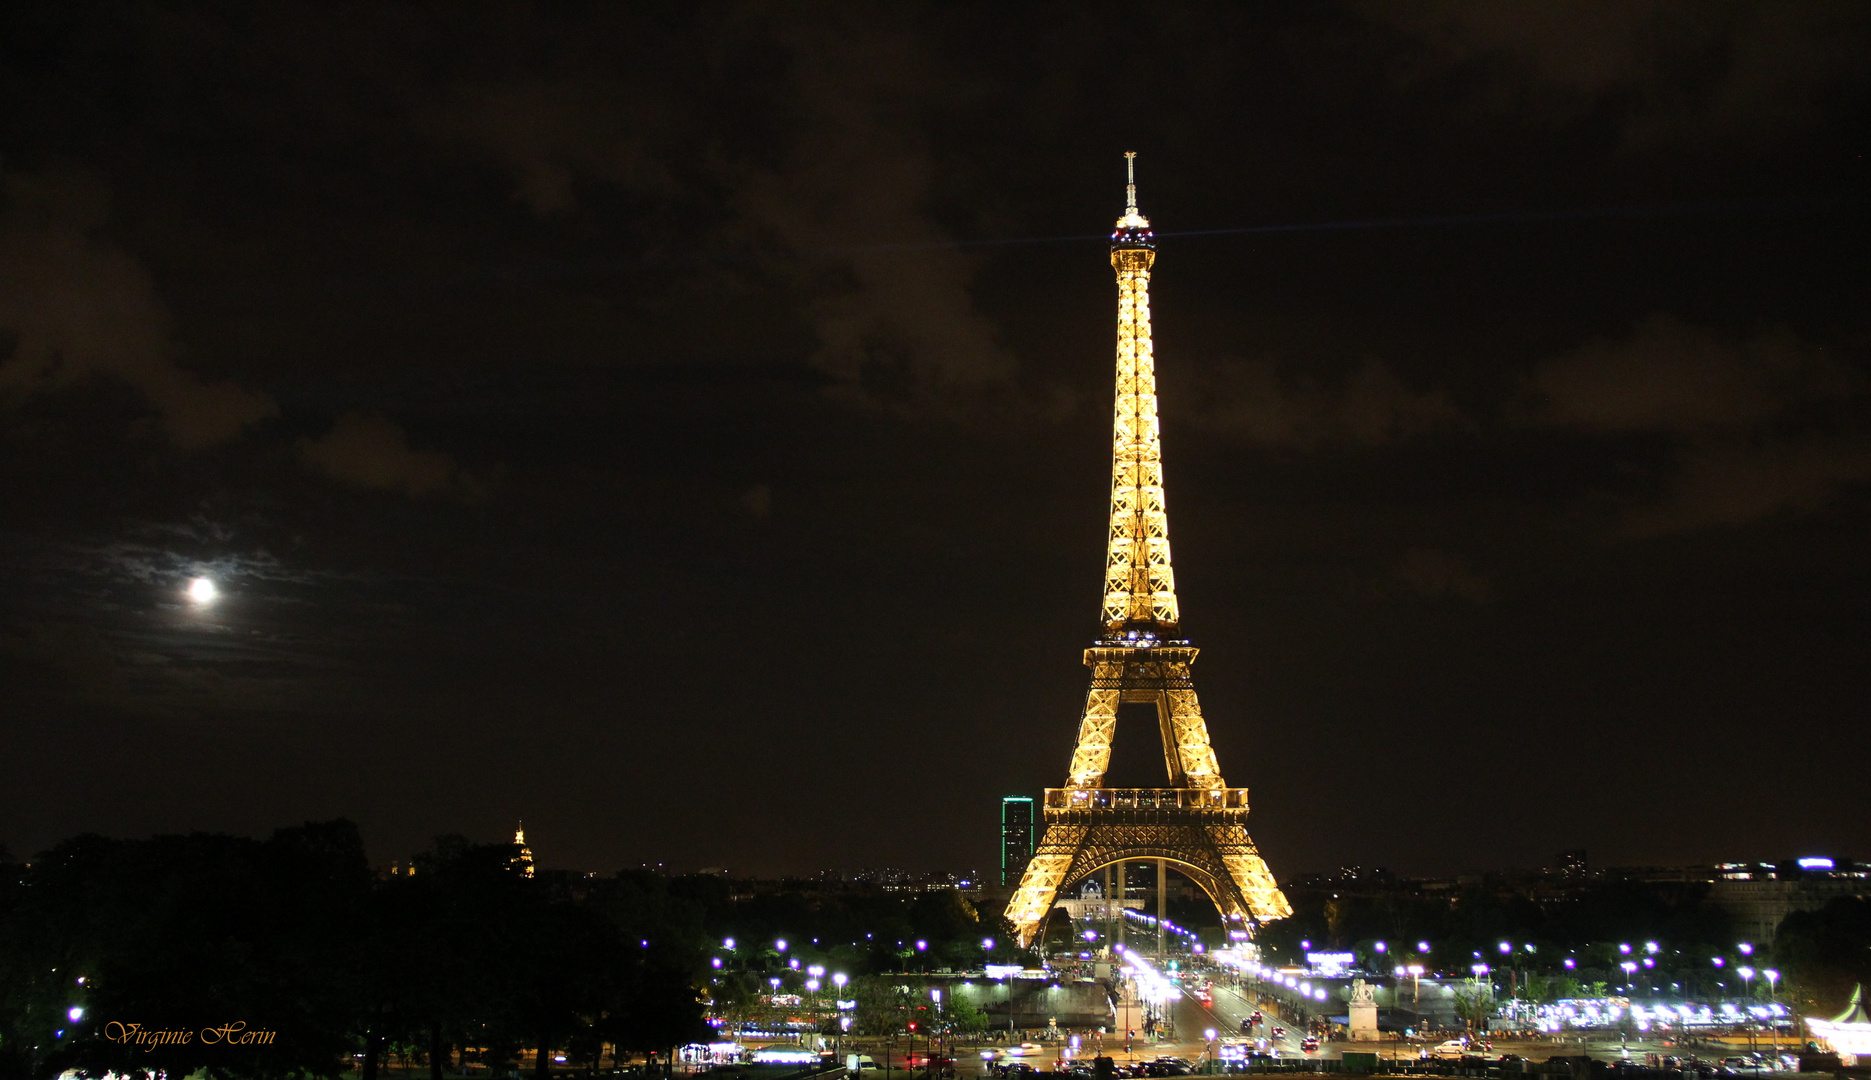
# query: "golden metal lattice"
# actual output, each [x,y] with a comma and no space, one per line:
[1198,822]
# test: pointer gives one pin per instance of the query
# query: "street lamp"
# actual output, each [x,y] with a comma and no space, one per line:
[1773,978]
[1747,980]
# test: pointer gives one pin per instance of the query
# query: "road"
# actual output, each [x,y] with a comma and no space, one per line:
[1226,1009]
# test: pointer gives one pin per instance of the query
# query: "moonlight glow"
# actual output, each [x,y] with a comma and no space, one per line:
[202,591]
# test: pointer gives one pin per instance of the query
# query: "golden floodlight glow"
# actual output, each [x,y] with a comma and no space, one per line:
[202,591]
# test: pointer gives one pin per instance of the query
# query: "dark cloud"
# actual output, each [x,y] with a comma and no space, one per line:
[757,501]
[79,308]
[1433,574]
[371,451]
[1369,406]
[1672,75]
[1759,424]
[854,192]
[1671,376]
[621,126]
[1745,479]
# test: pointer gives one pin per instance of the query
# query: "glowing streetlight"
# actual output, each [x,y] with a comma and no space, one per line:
[1773,978]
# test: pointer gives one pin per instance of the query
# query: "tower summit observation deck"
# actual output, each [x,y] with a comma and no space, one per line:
[1197,823]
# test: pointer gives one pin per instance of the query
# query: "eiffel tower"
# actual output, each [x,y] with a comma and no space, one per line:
[1197,823]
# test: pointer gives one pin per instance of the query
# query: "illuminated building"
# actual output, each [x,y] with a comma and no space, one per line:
[523,862]
[1016,838]
[1197,822]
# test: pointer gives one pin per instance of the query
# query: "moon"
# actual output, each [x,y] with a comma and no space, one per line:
[202,591]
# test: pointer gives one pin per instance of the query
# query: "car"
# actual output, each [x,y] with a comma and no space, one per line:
[1309,1044]
[1451,1050]
[1279,1033]
[1255,1017]
[1025,1049]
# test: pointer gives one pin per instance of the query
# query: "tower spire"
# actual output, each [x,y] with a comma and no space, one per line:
[1133,225]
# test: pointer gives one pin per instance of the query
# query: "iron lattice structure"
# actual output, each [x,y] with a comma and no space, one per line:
[1198,822]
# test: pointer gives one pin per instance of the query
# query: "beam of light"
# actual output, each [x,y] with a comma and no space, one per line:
[544,273]
[202,591]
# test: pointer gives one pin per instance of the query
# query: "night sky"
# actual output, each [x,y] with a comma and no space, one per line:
[686,427]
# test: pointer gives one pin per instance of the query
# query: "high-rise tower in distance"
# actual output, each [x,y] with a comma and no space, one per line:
[1016,837]
[1197,823]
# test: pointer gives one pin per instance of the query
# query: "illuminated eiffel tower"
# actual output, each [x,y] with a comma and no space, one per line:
[1197,823]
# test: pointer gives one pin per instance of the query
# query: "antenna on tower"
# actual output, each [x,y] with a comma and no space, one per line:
[1130,189]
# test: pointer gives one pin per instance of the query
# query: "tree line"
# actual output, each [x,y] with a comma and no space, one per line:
[288,957]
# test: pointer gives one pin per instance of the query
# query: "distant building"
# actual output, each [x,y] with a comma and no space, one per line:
[1759,895]
[523,862]
[1016,838]
[1572,863]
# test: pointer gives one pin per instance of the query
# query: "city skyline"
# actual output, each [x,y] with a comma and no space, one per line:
[690,434]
